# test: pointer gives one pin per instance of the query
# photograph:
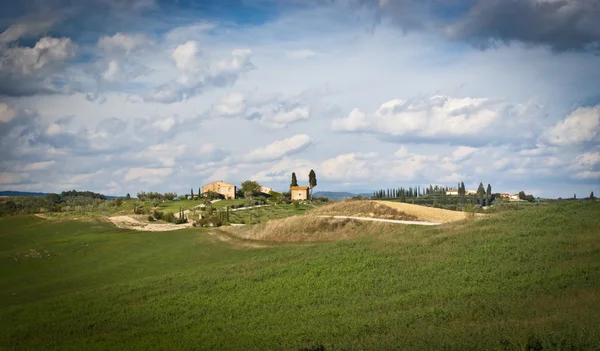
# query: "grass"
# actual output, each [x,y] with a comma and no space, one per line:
[517,280]
[362,208]
[265,214]
[303,228]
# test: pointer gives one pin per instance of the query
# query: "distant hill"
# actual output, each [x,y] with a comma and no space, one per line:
[21,193]
[333,195]
[26,193]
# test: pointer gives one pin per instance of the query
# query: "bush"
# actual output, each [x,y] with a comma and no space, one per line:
[158,215]
[151,219]
[470,210]
[170,217]
[296,205]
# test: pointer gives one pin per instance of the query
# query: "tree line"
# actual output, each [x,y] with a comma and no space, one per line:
[482,196]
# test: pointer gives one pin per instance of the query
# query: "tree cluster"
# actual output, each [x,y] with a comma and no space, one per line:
[410,192]
[154,196]
[89,194]
[523,196]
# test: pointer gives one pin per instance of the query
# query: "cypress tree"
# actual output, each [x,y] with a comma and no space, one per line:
[294,180]
[488,195]
[192,193]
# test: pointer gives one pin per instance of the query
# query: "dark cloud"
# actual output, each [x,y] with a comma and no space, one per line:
[562,25]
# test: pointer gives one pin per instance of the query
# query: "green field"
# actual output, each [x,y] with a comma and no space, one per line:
[516,280]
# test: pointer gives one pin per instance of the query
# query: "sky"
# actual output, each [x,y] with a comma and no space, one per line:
[166,95]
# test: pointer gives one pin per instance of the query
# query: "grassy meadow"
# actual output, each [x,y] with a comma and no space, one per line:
[515,280]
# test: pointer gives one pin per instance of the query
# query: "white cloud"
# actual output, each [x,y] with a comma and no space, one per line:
[31,27]
[6,113]
[281,117]
[281,171]
[402,152]
[112,71]
[438,116]
[347,167]
[12,177]
[279,149]
[164,124]
[197,76]
[38,166]
[150,175]
[588,159]
[46,53]
[582,125]
[300,54]
[588,175]
[463,152]
[231,104]
[165,153]
[122,43]
[185,56]
[53,129]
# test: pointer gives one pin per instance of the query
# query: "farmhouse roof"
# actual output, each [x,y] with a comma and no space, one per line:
[298,188]
[220,181]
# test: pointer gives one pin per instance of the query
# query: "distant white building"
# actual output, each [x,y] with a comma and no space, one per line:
[265,190]
[455,192]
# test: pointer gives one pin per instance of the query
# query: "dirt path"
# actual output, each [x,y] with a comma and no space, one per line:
[429,214]
[382,220]
[128,222]
[247,208]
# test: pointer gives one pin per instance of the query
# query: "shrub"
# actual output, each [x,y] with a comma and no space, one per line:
[151,219]
[158,215]
[296,205]
[170,217]
[470,210]
[118,202]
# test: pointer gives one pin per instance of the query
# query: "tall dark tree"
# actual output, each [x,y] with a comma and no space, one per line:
[192,193]
[480,193]
[312,181]
[294,180]
[592,196]
[127,197]
[199,191]
[488,195]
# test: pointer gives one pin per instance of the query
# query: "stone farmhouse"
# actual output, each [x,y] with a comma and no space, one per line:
[221,187]
[265,190]
[298,193]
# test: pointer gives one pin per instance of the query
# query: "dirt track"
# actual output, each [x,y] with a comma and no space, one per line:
[128,222]
[382,220]
[424,213]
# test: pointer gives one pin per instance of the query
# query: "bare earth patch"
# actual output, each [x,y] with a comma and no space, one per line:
[127,222]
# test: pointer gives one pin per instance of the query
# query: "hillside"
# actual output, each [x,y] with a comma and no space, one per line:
[29,194]
[524,279]
[21,193]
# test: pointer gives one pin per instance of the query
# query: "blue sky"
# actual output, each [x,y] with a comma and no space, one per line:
[144,95]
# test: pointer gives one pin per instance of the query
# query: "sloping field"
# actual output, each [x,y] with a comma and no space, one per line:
[526,279]
[299,229]
[363,208]
[424,213]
